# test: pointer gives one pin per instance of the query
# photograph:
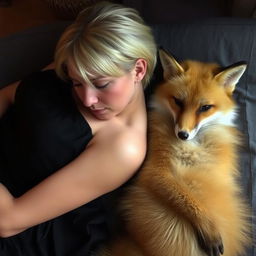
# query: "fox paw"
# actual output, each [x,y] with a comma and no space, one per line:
[212,247]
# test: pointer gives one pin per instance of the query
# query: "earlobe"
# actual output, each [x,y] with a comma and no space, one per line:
[140,69]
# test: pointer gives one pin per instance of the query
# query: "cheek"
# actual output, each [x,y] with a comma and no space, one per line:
[120,94]
[114,96]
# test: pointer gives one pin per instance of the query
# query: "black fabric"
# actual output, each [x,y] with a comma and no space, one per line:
[42,132]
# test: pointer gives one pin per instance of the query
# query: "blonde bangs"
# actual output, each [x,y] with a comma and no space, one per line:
[106,41]
[94,62]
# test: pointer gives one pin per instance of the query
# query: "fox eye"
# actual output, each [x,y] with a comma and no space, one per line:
[178,102]
[205,108]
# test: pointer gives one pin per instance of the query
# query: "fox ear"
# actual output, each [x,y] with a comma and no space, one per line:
[170,66]
[230,76]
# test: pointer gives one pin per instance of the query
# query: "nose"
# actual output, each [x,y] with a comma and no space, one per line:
[183,135]
[89,96]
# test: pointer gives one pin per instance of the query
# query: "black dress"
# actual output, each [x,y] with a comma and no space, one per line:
[39,134]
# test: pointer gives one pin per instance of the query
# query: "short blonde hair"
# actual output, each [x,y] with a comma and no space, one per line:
[106,39]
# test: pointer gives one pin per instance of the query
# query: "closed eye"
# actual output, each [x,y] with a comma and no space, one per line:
[178,102]
[75,82]
[205,108]
[102,86]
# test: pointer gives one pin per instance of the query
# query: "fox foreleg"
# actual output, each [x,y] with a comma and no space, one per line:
[176,196]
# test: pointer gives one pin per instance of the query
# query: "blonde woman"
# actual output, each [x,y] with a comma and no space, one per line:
[73,134]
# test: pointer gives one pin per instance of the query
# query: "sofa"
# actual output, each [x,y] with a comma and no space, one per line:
[222,40]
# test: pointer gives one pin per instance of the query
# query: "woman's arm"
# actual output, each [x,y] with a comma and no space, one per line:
[102,167]
[7,97]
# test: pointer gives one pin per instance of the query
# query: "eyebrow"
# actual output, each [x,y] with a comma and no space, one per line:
[98,78]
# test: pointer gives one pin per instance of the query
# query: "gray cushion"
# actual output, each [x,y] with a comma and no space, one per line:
[28,51]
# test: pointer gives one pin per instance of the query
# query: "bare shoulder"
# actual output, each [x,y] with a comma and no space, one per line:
[123,149]
[130,146]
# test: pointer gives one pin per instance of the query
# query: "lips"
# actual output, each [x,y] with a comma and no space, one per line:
[93,107]
[97,109]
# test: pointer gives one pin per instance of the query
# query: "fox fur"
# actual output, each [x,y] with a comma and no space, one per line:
[185,199]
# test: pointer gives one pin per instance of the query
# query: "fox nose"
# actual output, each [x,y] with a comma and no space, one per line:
[183,135]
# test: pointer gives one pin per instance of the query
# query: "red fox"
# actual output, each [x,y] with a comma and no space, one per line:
[185,199]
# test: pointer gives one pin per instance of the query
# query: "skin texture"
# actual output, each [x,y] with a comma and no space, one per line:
[107,96]
[122,124]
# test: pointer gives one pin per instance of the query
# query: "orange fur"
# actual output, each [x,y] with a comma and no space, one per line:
[185,200]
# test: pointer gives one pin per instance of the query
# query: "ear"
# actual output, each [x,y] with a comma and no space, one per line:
[170,66]
[140,69]
[230,76]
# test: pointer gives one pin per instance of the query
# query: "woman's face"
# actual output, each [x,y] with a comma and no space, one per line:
[108,97]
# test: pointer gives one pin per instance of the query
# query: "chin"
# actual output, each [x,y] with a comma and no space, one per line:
[105,116]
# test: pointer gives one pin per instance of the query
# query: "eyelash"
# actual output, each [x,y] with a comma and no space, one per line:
[96,86]
[102,86]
